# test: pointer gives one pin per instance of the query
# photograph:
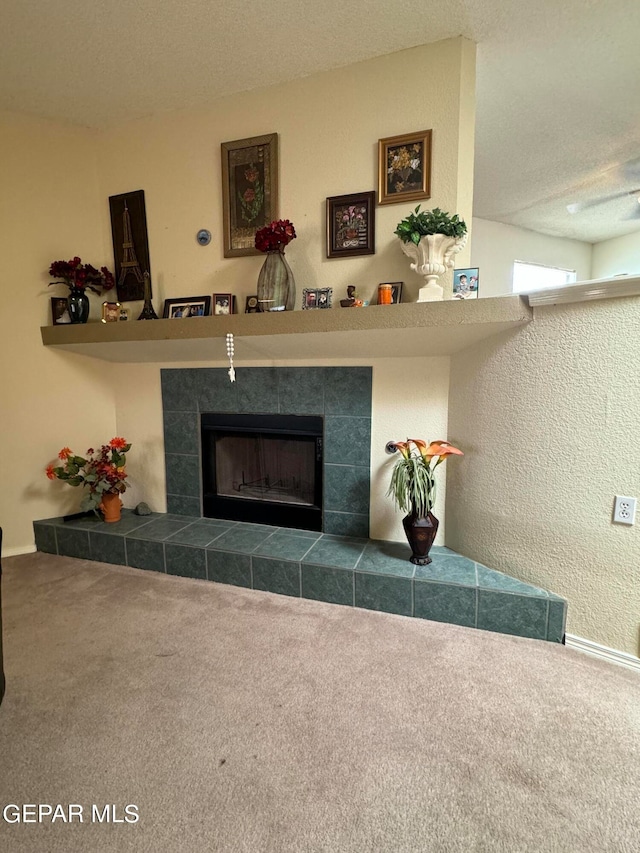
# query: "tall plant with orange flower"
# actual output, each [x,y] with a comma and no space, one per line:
[413,483]
[101,471]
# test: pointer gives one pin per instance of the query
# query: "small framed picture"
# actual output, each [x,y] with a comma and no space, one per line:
[252,306]
[59,311]
[465,283]
[190,306]
[124,314]
[351,225]
[396,291]
[317,297]
[224,303]
[404,167]
[110,312]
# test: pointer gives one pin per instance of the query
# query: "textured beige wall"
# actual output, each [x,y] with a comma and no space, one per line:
[328,125]
[409,399]
[496,246]
[617,256]
[49,209]
[548,416]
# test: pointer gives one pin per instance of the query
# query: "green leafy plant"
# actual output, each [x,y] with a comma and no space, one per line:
[413,485]
[102,471]
[421,223]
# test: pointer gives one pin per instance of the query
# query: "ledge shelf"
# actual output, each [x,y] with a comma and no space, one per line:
[413,329]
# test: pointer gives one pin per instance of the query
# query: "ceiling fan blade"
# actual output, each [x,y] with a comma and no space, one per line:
[579,206]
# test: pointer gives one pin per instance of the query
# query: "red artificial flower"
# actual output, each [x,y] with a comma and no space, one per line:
[50,472]
[118,443]
[65,453]
[275,236]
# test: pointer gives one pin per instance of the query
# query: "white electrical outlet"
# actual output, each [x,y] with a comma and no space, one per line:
[624,510]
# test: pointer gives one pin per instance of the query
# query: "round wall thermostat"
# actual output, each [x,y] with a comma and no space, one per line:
[203,237]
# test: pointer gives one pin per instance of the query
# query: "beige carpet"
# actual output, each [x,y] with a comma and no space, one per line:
[244,721]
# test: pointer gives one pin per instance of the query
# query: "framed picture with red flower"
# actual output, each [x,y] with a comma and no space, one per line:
[404,167]
[351,225]
[249,191]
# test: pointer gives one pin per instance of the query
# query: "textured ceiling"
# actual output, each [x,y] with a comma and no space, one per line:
[558,83]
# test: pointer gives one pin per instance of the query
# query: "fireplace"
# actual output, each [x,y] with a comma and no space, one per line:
[263,468]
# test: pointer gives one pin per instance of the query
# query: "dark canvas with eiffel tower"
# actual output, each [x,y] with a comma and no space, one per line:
[130,244]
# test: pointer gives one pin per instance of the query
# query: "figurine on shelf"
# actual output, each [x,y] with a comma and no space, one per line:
[147,312]
[352,300]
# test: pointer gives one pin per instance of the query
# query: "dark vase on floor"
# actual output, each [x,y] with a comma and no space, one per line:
[78,305]
[420,531]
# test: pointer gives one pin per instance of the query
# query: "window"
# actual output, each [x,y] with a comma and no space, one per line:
[528,277]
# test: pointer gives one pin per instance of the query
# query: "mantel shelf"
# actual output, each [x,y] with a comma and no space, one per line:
[413,329]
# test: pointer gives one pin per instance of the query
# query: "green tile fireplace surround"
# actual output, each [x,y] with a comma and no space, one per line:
[342,570]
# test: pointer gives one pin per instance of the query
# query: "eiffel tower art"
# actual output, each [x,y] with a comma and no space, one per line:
[130,245]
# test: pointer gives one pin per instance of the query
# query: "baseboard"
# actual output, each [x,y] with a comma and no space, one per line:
[15,552]
[603,652]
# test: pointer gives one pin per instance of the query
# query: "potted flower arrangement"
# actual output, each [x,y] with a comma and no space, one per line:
[431,238]
[102,471]
[79,278]
[413,488]
[276,284]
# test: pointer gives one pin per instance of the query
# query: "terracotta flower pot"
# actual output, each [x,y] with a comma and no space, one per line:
[111,508]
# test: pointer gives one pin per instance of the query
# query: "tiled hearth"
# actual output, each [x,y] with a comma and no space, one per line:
[338,569]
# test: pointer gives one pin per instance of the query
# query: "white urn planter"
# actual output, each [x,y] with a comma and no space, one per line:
[432,257]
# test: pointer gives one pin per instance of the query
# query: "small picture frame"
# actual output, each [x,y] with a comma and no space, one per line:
[351,225]
[252,306]
[316,297]
[224,304]
[465,283]
[188,306]
[396,291]
[59,311]
[404,167]
[110,312]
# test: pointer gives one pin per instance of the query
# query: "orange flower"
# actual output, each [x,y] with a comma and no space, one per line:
[402,446]
[65,453]
[441,449]
[51,474]
[118,443]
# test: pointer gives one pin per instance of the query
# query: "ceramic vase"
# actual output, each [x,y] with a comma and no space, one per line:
[111,507]
[276,284]
[420,532]
[78,305]
[432,257]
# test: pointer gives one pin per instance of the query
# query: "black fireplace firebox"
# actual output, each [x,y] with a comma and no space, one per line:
[263,468]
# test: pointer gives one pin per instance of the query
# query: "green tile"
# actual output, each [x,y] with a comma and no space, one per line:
[213,390]
[127,524]
[490,579]
[107,548]
[45,537]
[183,475]
[181,505]
[181,432]
[448,570]
[347,391]
[444,551]
[323,583]
[343,435]
[178,389]
[145,554]
[281,576]
[300,390]
[445,603]
[387,558]
[346,523]
[346,488]
[381,592]
[297,531]
[185,561]
[557,618]
[201,533]
[257,389]
[340,552]
[286,546]
[244,538]
[161,528]
[224,567]
[73,543]
[521,615]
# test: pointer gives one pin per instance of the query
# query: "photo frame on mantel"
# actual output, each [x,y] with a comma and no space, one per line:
[249,191]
